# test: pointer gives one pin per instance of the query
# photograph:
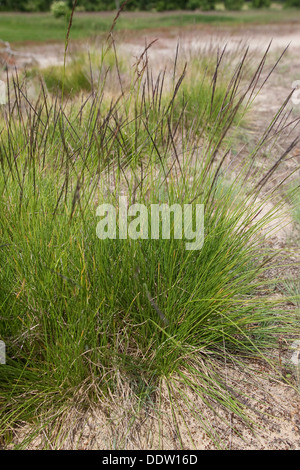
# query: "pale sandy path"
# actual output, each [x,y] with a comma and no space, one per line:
[256,36]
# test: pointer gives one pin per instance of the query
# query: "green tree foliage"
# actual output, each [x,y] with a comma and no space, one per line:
[59,9]
[102,5]
[25,5]
[207,5]
[261,3]
[293,3]
[233,4]
[204,5]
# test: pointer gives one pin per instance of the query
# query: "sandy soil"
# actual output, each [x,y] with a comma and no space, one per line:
[256,36]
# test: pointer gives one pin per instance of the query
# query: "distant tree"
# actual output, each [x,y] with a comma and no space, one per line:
[204,5]
[292,3]
[207,5]
[98,5]
[233,4]
[59,9]
[261,3]
[25,5]
[193,4]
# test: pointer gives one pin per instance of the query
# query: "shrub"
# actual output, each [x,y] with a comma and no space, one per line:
[32,6]
[292,3]
[261,3]
[193,4]
[204,5]
[73,82]
[233,4]
[59,9]
[207,5]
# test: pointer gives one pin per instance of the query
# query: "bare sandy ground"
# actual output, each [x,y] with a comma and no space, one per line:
[256,36]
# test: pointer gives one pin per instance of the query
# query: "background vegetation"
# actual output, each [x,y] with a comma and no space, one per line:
[135,5]
[44,26]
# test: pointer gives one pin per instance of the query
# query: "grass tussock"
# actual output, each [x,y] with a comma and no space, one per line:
[76,311]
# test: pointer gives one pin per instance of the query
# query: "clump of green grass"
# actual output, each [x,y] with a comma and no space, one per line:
[75,80]
[77,311]
[81,74]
